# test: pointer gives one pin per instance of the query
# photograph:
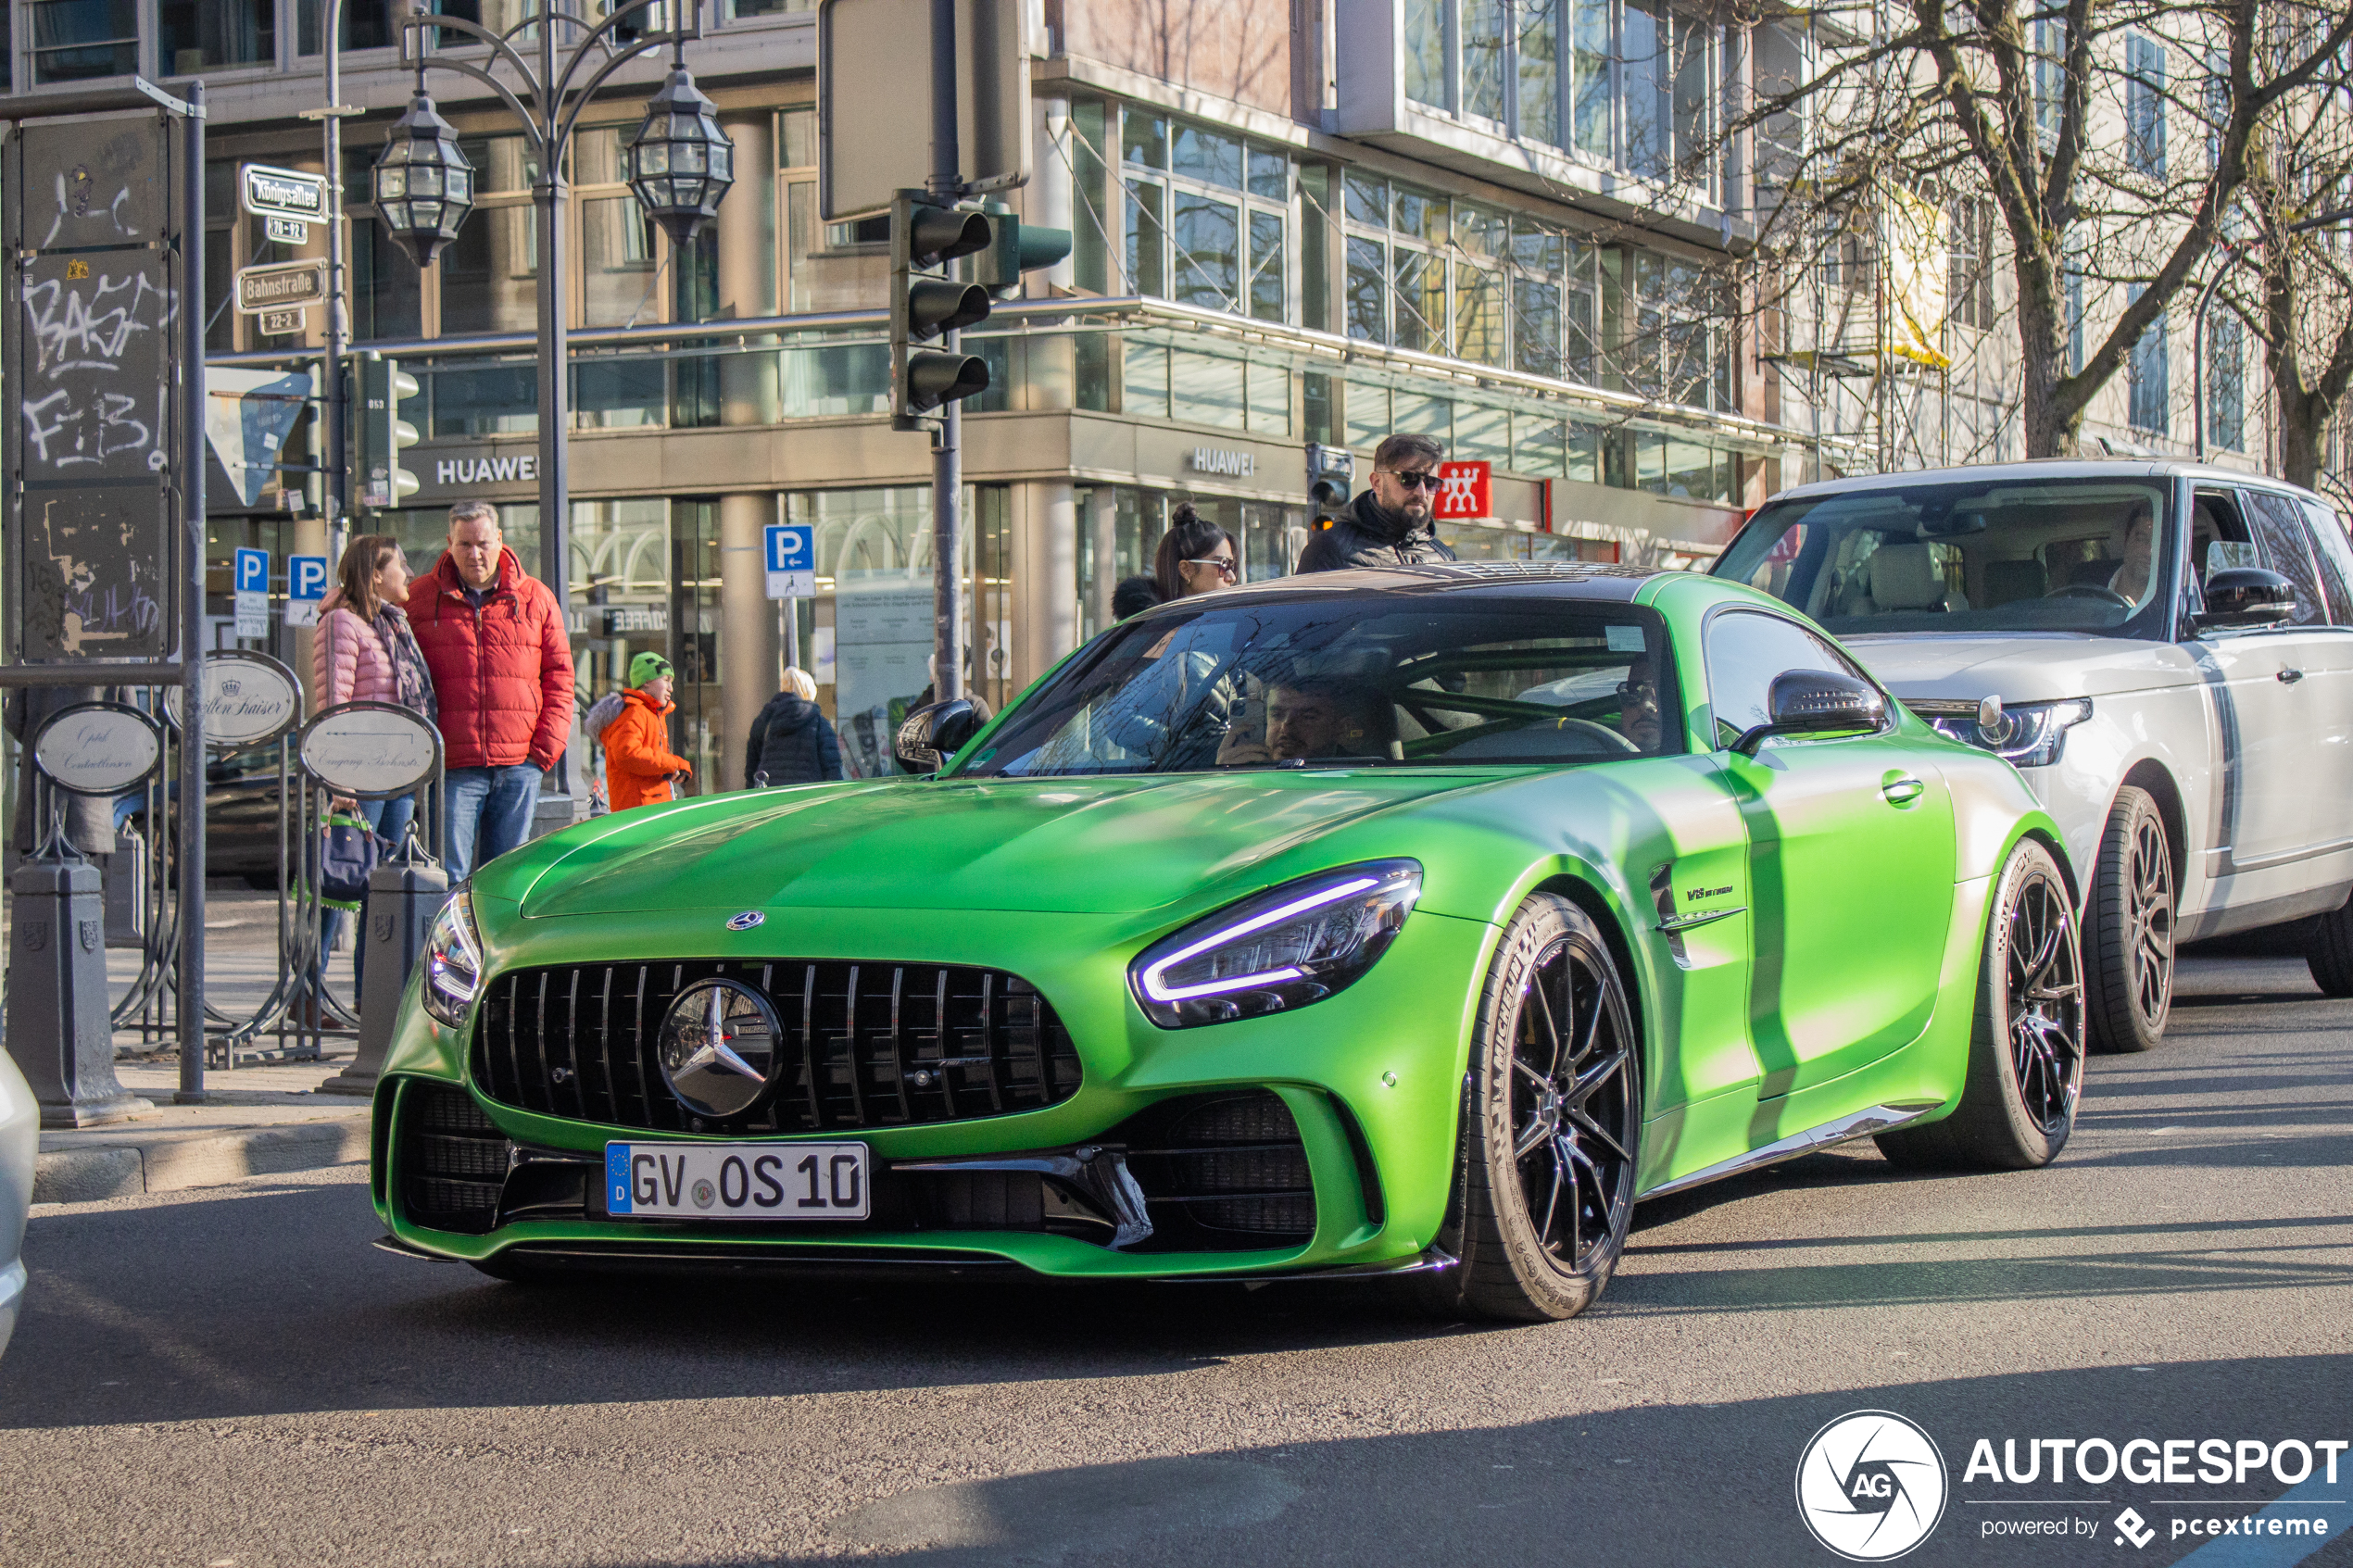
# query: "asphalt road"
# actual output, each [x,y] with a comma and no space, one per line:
[233,1377]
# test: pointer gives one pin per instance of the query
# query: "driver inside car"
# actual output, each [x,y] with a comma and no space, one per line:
[1308,718]
[2131,581]
[1638,718]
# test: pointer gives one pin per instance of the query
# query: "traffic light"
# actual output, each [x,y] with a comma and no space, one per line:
[378,433]
[1331,472]
[926,300]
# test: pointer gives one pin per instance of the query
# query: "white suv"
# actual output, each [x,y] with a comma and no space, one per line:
[2165,651]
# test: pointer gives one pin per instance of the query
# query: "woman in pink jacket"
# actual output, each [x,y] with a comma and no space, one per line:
[363,651]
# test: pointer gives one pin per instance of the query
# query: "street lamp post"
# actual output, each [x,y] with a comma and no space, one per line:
[680,164]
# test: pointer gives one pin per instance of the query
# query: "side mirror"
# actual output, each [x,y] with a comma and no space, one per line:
[2242,596]
[928,737]
[1815,702]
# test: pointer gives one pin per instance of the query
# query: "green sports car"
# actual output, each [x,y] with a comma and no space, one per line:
[1409,924]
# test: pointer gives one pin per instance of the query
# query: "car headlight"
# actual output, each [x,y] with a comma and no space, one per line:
[453,960]
[1283,948]
[2030,735]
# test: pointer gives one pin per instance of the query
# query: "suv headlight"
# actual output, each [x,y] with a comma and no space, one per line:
[2030,735]
[453,960]
[1285,947]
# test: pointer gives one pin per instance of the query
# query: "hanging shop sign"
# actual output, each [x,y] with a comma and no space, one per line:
[97,748]
[370,750]
[249,699]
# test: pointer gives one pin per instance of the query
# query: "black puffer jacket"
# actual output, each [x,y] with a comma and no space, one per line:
[791,743]
[1370,534]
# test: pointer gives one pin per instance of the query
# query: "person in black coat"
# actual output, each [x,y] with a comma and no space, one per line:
[1394,522]
[791,741]
[1134,596]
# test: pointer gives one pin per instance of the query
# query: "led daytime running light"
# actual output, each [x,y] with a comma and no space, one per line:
[453,962]
[1159,993]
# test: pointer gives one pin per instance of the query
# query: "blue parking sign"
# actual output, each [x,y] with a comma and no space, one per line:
[253,571]
[788,548]
[306,577]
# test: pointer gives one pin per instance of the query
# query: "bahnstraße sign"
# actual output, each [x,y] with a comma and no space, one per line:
[280,286]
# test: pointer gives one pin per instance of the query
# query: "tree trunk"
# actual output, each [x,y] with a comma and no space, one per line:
[2304,418]
[2050,431]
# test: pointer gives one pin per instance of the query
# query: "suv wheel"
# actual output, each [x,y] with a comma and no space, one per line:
[2328,950]
[2128,948]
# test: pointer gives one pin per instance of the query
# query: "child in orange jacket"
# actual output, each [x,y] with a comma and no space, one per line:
[638,760]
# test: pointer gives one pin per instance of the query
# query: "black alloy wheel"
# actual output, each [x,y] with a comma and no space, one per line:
[1543,1192]
[2024,1077]
[2129,949]
[2044,1003]
[1571,1106]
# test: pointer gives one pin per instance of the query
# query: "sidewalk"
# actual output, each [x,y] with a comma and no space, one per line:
[258,1119]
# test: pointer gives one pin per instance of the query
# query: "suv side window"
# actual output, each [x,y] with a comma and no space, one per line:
[2279,528]
[2336,561]
[1745,651]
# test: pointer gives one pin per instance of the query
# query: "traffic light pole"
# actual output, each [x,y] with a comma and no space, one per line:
[946,454]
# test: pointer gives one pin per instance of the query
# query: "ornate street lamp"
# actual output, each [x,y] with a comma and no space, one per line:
[680,163]
[424,186]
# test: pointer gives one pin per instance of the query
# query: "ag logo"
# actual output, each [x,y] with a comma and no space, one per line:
[1871,1486]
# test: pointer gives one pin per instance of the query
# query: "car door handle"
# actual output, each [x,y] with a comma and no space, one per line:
[1901,789]
[2289,677]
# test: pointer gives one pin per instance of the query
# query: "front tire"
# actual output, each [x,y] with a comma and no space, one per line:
[1543,1190]
[2128,951]
[2026,1051]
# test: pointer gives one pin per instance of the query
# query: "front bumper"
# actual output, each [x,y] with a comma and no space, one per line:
[1354,1098]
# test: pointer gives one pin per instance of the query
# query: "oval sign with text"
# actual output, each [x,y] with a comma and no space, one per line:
[370,749]
[248,698]
[101,748]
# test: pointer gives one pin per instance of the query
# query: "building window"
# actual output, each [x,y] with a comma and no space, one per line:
[198,35]
[2147,388]
[1640,89]
[2218,107]
[2145,106]
[77,40]
[1681,350]
[1969,292]
[2226,384]
[367,24]
[1207,218]
[2075,274]
[2050,76]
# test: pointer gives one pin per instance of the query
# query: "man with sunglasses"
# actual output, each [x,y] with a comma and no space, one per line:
[1393,523]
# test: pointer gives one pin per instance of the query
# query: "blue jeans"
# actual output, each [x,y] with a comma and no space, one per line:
[390,819]
[490,813]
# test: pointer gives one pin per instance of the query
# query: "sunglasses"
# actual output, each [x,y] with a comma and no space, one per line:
[1429,480]
[1224,564]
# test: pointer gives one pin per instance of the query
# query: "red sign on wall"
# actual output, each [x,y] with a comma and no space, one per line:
[1465,490]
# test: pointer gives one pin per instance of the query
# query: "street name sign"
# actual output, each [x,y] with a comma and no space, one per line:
[278,286]
[282,192]
[792,562]
[874,100]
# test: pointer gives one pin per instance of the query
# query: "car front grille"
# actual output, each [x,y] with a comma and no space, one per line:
[453,1159]
[866,1045]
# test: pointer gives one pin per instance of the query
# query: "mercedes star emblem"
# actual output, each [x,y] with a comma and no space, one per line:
[746,920]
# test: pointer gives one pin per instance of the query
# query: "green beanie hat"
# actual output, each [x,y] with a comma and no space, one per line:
[647,667]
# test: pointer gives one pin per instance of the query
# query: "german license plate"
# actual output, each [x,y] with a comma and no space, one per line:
[750,1181]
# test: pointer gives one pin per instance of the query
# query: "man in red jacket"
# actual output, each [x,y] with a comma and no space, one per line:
[495,644]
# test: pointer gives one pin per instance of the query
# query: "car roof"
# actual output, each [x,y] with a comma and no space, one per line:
[2039,469]
[1602,580]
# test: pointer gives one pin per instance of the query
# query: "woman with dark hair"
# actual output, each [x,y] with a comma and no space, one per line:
[1195,557]
[364,651]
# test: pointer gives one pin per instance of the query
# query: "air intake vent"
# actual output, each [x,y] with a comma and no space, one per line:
[452,1159]
[1222,1172]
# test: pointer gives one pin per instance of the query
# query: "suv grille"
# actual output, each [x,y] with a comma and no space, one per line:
[865,1045]
[453,1159]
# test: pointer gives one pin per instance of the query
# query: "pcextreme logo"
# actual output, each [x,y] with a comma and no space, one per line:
[1871,1486]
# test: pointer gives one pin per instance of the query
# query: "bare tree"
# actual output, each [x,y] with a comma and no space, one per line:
[2301,167]
[2054,112]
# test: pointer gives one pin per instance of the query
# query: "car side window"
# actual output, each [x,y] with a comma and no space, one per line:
[2336,561]
[2288,549]
[1744,652]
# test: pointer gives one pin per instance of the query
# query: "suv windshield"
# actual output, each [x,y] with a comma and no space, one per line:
[1346,680]
[1999,556]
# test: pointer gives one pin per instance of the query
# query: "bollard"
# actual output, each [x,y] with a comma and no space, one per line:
[58,1027]
[126,890]
[403,897]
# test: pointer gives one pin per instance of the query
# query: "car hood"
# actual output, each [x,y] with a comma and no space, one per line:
[2019,668]
[1068,845]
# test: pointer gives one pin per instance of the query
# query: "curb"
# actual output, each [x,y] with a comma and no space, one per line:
[171,1162]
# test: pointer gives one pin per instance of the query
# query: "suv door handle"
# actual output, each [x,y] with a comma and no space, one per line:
[1901,789]
[2289,677]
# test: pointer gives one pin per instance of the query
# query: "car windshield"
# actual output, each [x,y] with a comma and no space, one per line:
[2001,556]
[1255,681]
